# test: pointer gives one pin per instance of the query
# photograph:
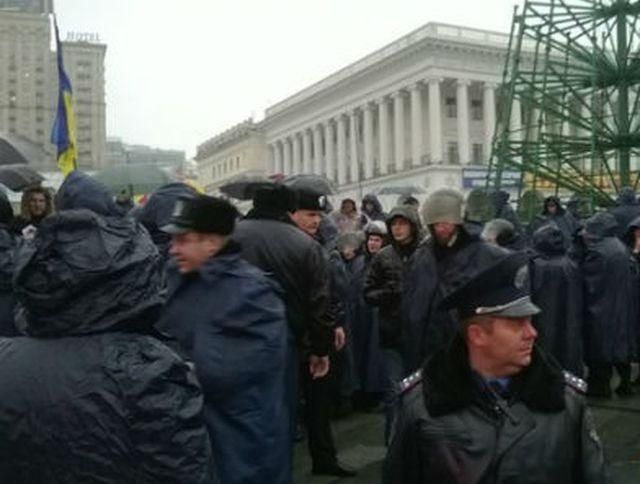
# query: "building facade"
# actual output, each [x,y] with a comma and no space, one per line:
[84,64]
[420,111]
[120,153]
[239,149]
[29,81]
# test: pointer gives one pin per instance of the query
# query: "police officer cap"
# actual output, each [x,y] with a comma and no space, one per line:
[498,290]
[203,214]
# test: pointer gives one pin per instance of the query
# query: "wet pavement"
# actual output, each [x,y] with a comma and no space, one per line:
[359,440]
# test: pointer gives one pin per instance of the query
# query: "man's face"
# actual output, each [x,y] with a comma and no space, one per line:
[369,207]
[552,208]
[636,235]
[348,252]
[444,232]
[505,343]
[374,244]
[37,204]
[307,220]
[191,250]
[401,230]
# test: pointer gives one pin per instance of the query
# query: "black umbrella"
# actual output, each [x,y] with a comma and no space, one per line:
[19,177]
[244,185]
[16,150]
[311,183]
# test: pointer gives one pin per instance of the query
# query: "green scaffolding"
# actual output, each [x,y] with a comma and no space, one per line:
[567,111]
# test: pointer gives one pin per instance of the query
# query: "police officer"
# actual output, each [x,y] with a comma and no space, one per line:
[229,318]
[491,407]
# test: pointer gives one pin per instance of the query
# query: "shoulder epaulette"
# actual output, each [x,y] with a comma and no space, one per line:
[410,382]
[578,384]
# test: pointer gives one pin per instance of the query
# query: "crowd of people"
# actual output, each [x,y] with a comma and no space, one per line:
[183,342]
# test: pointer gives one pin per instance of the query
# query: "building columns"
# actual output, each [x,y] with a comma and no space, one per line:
[462,106]
[489,108]
[435,120]
[296,157]
[383,135]
[354,159]
[317,150]
[306,151]
[329,169]
[287,162]
[398,131]
[342,150]
[417,142]
[368,140]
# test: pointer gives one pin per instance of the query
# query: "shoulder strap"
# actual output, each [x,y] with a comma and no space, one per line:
[410,382]
[578,384]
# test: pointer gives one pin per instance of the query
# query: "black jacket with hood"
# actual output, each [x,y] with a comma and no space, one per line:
[371,215]
[556,288]
[626,210]
[435,272]
[383,287]
[568,225]
[89,395]
[610,278]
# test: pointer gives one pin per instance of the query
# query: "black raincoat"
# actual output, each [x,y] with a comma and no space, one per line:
[610,276]
[627,210]
[435,272]
[563,219]
[7,299]
[90,395]
[556,288]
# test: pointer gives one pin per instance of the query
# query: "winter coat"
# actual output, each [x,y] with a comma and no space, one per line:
[435,272]
[627,210]
[298,264]
[230,320]
[90,395]
[503,210]
[556,288]
[563,219]
[383,287]
[371,215]
[365,335]
[8,244]
[610,278]
[452,429]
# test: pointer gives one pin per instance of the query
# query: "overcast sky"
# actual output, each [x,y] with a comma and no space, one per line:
[181,71]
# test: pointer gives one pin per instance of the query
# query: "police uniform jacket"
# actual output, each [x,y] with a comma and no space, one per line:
[451,430]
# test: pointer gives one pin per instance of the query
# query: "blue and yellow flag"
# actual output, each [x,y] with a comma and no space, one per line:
[63,134]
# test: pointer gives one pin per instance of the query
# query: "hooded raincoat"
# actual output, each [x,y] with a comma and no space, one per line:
[610,278]
[556,288]
[90,395]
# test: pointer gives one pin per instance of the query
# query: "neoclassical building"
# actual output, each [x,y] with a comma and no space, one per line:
[419,111]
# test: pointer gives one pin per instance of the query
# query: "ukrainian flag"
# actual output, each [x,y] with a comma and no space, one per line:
[63,134]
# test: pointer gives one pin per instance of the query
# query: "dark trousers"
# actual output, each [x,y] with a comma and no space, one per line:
[394,373]
[317,396]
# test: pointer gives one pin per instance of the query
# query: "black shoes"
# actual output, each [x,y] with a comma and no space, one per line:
[334,469]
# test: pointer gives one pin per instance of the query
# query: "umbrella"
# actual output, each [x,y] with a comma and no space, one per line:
[402,190]
[16,150]
[312,183]
[19,177]
[133,179]
[244,185]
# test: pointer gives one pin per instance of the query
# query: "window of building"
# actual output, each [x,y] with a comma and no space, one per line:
[451,107]
[476,110]
[478,154]
[453,156]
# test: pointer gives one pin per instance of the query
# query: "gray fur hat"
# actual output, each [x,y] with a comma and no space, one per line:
[444,205]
